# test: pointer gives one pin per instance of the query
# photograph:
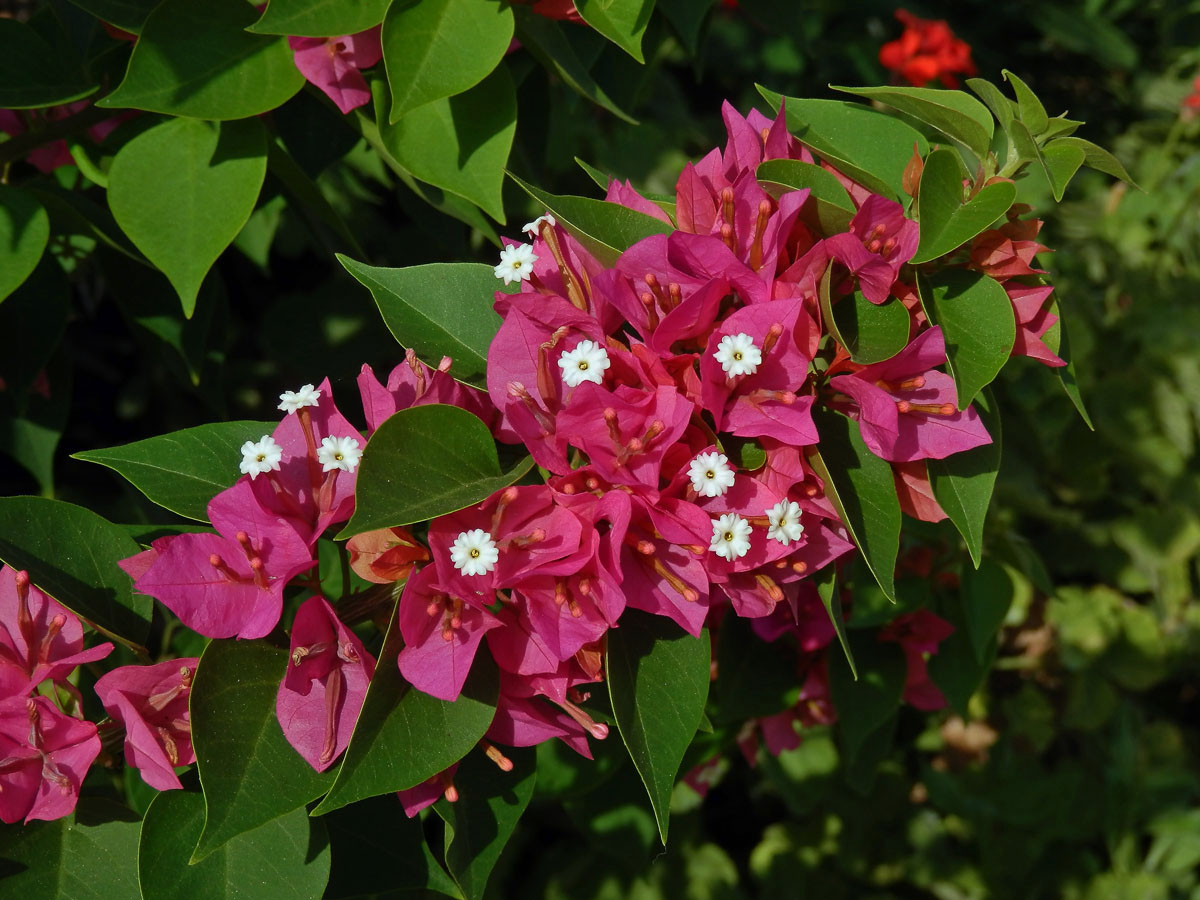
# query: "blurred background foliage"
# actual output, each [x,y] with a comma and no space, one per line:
[1073,769]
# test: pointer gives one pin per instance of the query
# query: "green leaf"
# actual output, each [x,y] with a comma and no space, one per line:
[439,309]
[658,682]
[978,323]
[946,221]
[24,230]
[605,229]
[544,38]
[1095,157]
[376,848]
[195,58]
[404,736]
[621,21]
[757,678]
[864,704]
[1056,340]
[128,15]
[986,596]
[1002,108]
[955,114]
[957,668]
[89,855]
[320,18]
[304,193]
[1029,107]
[32,73]
[832,207]
[1026,147]
[183,470]
[460,143]
[32,321]
[284,859]
[862,490]
[424,462]
[71,553]
[183,190]
[871,332]
[687,18]
[1062,161]
[962,483]
[481,821]
[864,144]
[831,599]
[439,48]
[249,771]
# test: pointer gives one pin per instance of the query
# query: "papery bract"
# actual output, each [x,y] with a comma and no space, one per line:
[44,755]
[333,64]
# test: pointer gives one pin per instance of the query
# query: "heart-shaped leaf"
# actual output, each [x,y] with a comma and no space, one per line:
[963,482]
[871,332]
[1095,157]
[946,221]
[32,73]
[320,18]
[183,190]
[955,114]
[1061,161]
[621,21]
[183,470]
[24,230]
[439,48]
[658,682]
[978,323]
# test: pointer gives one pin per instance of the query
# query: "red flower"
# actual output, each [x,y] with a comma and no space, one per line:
[927,50]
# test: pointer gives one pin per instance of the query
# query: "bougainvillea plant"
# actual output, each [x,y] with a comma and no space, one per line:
[657,426]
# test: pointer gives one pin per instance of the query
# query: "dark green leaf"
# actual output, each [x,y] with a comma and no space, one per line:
[544,38]
[72,212]
[404,736]
[621,21]
[183,470]
[869,146]
[195,58]
[605,229]
[303,192]
[24,230]
[71,553]
[320,18]
[867,702]
[602,181]
[978,323]
[862,769]
[955,114]
[1062,160]
[425,462]
[89,855]
[1095,157]
[946,221]
[439,48]
[986,596]
[285,859]
[183,190]
[249,771]
[962,483]
[1029,107]
[479,824]
[439,309]
[376,848]
[32,321]
[128,15]
[658,683]
[687,18]
[32,73]
[957,668]
[832,207]
[872,332]
[1056,340]
[862,490]
[757,678]
[831,599]
[460,143]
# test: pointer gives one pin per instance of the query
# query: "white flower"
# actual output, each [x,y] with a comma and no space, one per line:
[534,227]
[474,552]
[738,355]
[259,457]
[711,474]
[731,537]
[290,401]
[784,517]
[586,362]
[338,453]
[516,263]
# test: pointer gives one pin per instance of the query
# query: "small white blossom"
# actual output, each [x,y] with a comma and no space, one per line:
[338,453]
[784,517]
[586,362]
[738,355]
[731,537]
[532,229]
[516,263]
[474,552]
[290,401]
[260,457]
[711,474]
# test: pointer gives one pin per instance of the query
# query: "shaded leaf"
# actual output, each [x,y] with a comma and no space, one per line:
[946,221]
[621,21]
[24,230]
[962,482]
[128,15]
[757,678]
[864,704]
[32,321]
[1056,340]
[831,599]
[832,207]
[871,332]
[986,597]
[954,113]
[320,18]
[32,73]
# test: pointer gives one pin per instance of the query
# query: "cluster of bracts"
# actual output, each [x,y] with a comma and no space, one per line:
[630,386]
